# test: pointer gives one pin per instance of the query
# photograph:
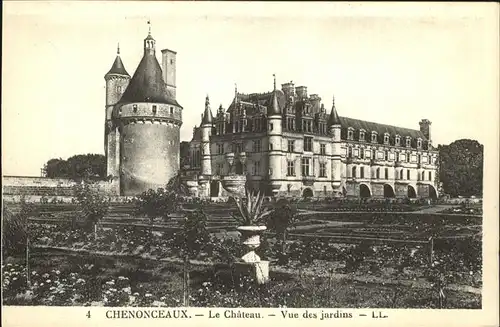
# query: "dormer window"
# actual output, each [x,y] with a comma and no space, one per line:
[350,133]
[154,109]
[362,135]
[374,137]
[419,143]
[171,110]
[408,141]
[397,140]
[386,138]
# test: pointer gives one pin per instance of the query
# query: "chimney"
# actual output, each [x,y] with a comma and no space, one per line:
[288,89]
[425,128]
[301,91]
[168,66]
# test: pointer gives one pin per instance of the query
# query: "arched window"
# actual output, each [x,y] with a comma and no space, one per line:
[423,175]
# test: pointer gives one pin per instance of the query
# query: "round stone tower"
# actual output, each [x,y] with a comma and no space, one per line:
[148,120]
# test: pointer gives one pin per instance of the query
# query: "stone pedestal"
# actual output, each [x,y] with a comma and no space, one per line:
[256,270]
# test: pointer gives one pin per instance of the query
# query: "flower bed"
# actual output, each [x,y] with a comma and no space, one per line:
[89,280]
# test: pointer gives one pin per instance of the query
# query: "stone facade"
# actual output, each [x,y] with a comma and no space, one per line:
[286,144]
[143,120]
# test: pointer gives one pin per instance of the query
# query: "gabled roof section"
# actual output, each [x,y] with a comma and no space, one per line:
[147,84]
[262,99]
[358,124]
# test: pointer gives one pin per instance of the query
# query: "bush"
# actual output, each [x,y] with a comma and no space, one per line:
[159,203]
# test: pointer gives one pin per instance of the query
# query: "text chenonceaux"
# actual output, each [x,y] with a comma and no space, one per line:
[176,314]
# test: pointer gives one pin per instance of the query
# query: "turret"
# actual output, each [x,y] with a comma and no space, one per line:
[149,121]
[274,121]
[206,131]
[334,128]
[117,80]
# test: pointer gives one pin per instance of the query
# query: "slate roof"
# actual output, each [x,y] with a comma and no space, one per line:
[147,84]
[118,68]
[358,124]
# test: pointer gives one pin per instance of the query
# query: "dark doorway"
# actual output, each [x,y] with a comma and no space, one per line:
[239,168]
[432,192]
[388,191]
[307,193]
[364,191]
[411,192]
[214,189]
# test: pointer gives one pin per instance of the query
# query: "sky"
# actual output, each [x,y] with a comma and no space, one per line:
[390,63]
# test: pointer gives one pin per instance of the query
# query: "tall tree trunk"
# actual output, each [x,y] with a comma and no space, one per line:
[185,282]
[28,281]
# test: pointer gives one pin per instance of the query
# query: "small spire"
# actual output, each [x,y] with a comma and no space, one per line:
[274,77]
[207,117]
[333,101]
[149,25]
[207,102]
[118,49]
[334,116]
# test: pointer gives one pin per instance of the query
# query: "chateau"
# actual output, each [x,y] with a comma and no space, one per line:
[142,124]
[286,143]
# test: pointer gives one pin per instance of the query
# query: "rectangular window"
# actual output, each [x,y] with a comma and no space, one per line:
[306,166]
[387,173]
[430,176]
[408,174]
[270,127]
[377,174]
[291,146]
[220,148]
[290,168]
[362,172]
[322,170]
[322,149]
[308,141]
[386,155]
[256,146]
[362,153]
[349,152]
[256,168]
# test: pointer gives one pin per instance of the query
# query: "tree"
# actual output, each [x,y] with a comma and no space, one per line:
[82,166]
[461,167]
[192,239]
[92,203]
[283,217]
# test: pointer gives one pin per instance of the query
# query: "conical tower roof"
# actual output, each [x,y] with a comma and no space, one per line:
[147,84]
[334,116]
[118,68]
[207,115]
[274,108]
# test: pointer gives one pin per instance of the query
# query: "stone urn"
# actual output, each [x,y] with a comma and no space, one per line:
[234,184]
[250,238]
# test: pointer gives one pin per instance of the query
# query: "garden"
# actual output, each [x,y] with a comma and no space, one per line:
[158,252]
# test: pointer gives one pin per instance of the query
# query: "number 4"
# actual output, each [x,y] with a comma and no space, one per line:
[88,314]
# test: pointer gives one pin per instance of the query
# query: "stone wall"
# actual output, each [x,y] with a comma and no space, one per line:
[34,188]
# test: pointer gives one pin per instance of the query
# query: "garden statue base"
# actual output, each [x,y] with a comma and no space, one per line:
[259,271]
